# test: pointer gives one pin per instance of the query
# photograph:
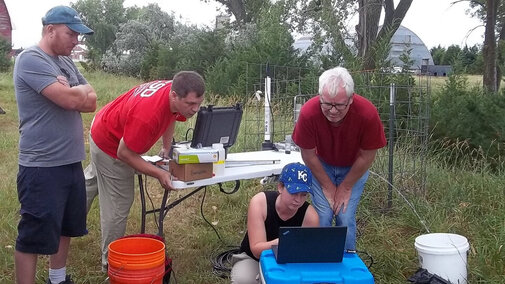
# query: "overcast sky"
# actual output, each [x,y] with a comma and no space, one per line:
[434,21]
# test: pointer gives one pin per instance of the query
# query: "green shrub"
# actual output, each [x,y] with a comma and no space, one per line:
[470,117]
[5,58]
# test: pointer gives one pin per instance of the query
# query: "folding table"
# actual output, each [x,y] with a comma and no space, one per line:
[238,166]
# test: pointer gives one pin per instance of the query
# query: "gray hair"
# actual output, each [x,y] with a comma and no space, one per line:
[334,79]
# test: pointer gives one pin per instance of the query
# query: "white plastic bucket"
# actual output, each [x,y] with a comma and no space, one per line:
[444,255]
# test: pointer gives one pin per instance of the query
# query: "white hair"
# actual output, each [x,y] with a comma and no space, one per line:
[334,79]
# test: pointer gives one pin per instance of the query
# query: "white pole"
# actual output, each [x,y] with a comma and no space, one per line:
[267,109]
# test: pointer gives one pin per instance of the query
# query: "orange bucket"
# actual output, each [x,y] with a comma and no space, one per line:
[136,260]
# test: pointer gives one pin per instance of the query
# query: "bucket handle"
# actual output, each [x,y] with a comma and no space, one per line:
[123,264]
[114,273]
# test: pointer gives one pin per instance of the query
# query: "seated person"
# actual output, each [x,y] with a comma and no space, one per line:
[268,211]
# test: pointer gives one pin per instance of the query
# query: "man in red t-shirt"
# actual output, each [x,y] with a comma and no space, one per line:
[125,129]
[339,133]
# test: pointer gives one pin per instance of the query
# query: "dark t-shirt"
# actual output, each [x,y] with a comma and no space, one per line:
[273,221]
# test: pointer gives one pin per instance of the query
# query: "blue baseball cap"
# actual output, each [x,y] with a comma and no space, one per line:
[296,178]
[69,17]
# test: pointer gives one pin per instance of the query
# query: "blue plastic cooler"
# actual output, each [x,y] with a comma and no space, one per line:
[351,270]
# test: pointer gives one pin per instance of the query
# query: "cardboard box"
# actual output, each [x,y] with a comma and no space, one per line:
[189,172]
[195,156]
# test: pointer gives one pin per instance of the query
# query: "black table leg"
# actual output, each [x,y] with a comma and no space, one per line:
[143,205]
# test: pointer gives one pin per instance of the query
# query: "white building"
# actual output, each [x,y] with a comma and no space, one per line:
[405,39]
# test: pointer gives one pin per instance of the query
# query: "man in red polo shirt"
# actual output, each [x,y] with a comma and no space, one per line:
[339,133]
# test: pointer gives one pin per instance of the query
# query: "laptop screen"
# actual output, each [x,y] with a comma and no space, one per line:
[310,244]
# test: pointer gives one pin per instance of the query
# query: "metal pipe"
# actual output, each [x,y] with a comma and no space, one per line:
[268,120]
[392,102]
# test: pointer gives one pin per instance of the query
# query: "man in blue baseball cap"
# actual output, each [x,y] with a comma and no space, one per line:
[51,94]
[269,210]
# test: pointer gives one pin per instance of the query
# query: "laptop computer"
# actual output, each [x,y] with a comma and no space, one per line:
[310,244]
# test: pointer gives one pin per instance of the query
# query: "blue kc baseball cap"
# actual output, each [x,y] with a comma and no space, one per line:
[296,178]
[69,17]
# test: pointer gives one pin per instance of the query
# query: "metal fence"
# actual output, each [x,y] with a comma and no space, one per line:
[274,95]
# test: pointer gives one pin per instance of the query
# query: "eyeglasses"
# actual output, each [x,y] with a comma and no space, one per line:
[329,107]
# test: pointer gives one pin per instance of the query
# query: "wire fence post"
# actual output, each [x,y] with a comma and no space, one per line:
[391,142]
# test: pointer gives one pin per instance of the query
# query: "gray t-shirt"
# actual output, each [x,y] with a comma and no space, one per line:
[49,135]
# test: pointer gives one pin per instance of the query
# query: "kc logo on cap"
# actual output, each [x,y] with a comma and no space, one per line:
[302,175]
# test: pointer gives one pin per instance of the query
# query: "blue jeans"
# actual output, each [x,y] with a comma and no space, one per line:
[324,210]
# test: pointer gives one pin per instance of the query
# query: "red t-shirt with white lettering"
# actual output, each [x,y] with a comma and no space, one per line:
[139,116]
[339,145]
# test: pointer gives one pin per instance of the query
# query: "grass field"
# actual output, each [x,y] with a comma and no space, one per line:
[473,81]
[469,203]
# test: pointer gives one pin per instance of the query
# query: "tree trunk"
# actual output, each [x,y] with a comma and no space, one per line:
[500,58]
[368,26]
[489,48]
[392,20]
[237,8]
